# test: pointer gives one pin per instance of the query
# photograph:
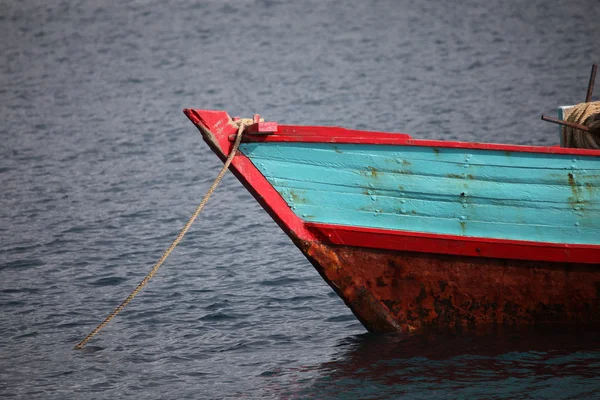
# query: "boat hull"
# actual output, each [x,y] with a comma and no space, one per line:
[447,275]
[410,291]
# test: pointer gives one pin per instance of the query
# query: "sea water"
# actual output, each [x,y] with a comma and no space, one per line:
[99,170]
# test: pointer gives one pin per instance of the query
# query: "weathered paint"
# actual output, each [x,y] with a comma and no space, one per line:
[391,290]
[394,279]
[387,239]
[216,128]
[479,193]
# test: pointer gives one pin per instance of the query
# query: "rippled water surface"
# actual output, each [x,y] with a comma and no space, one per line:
[99,169]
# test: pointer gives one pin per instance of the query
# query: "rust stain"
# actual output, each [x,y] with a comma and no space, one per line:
[381,282]
[443,285]
[576,201]
[370,311]
[296,198]
[394,290]
[593,177]
[374,172]
[572,183]
[337,150]
[436,151]
[463,176]
[590,189]
[371,171]
[405,162]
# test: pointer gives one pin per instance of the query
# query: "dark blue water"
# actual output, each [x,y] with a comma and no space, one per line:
[99,170]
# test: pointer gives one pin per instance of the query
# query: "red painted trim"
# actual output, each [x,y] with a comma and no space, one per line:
[456,245]
[270,199]
[324,134]
[261,128]
[216,127]
[331,131]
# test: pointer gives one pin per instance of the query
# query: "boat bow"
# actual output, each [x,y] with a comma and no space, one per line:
[415,233]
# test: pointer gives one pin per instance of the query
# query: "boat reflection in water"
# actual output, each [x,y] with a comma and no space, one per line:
[557,362]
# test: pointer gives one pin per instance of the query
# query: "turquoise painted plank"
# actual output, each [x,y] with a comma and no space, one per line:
[449,191]
[465,208]
[429,184]
[451,226]
[451,155]
[439,168]
[292,187]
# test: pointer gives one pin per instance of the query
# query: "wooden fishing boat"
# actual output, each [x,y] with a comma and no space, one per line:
[415,233]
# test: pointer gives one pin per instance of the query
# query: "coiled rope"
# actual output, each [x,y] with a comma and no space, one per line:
[241,125]
[587,114]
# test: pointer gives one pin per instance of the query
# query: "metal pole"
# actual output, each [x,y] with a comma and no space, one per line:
[566,123]
[588,96]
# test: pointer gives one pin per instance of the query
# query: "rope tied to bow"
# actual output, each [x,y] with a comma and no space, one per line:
[241,126]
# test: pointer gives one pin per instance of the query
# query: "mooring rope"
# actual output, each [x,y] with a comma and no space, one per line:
[242,124]
[587,114]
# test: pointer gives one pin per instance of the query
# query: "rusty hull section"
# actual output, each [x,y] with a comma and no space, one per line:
[413,292]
